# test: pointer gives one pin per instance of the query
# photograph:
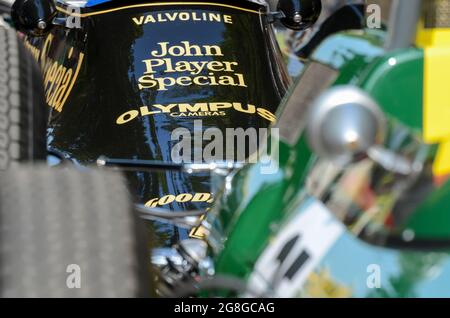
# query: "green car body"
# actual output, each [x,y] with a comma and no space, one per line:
[248,219]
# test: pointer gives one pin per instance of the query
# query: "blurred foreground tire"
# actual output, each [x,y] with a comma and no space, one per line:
[23,113]
[5,6]
[65,233]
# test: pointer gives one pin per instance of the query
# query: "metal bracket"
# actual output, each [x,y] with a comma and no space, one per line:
[275,16]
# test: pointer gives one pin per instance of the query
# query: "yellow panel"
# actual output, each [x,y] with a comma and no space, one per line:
[436,93]
[436,112]
[433,37]
[441,165]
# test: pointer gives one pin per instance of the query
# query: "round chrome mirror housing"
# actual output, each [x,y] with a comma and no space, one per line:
[299,14]
[343,123]
[33,17]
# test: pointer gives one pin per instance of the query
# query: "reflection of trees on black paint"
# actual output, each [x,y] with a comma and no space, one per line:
[107,87]
[87,128]
[87,125]
[242,42]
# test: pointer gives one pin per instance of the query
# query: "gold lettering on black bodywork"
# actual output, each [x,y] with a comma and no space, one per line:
[59,79]
[195,110]
[206,72]
[183,17]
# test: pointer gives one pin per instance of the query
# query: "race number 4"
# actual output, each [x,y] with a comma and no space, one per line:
[298,248]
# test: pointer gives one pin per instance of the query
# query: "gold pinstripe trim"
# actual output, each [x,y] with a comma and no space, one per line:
[143,5]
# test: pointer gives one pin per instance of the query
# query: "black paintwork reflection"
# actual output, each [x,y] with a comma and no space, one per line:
[107,86]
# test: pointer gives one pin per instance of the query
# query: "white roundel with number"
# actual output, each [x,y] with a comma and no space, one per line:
[299,247]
